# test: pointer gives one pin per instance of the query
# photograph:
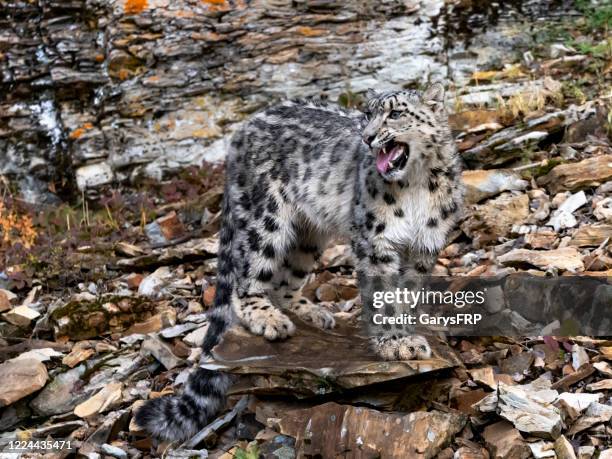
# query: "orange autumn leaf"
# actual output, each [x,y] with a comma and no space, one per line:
[134,6]
[123,74]
[310,32]
[16,228]
[77,133]
[217,5]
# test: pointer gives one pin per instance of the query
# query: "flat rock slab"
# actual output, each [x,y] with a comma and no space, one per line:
[481,184]
[528,407]
[590,172]
[565,259]
[591,235]
[21,316]
[596,413]
[496,217]
[109,396]
[505,442]
[198,248]
[314,361]
[62,394]
[333,430]
[19,378]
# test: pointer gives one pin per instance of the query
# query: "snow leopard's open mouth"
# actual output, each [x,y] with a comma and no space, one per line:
[393,155]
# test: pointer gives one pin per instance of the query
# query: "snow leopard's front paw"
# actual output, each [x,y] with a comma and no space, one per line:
[310,312]
[412,347]
[264,319]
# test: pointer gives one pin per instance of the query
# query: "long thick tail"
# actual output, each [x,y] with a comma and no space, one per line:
[179,417]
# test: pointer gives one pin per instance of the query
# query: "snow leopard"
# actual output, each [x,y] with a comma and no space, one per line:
[299,173]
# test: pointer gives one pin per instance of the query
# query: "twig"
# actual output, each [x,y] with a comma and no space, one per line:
[178,240]
[527,166]
[217,424]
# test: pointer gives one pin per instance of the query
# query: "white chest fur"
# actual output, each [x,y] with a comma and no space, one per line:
[420,228]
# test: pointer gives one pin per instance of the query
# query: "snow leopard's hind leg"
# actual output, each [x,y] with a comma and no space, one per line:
[251,248]
[263,241]
[298,264]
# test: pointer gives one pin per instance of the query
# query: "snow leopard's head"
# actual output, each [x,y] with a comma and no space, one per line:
[406,129]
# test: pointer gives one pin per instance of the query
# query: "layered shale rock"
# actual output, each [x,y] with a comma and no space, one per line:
[96,92]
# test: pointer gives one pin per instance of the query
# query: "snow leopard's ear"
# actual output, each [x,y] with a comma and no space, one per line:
[370,94]
[434,95]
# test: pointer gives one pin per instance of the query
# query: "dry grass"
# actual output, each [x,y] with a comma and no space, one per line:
[531,100]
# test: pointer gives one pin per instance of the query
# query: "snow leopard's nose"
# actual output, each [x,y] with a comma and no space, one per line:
[368,139]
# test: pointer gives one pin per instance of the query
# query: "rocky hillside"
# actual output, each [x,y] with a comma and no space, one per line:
[96,92]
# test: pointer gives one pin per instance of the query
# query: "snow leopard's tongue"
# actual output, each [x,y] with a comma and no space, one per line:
[384,158]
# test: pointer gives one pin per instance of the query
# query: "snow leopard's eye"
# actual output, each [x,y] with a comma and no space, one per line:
[395,114]
[368,115]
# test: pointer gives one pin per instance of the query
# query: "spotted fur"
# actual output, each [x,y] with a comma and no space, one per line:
[299,173]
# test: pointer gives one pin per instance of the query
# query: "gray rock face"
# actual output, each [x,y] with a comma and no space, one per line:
[60,395]
[95,91]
